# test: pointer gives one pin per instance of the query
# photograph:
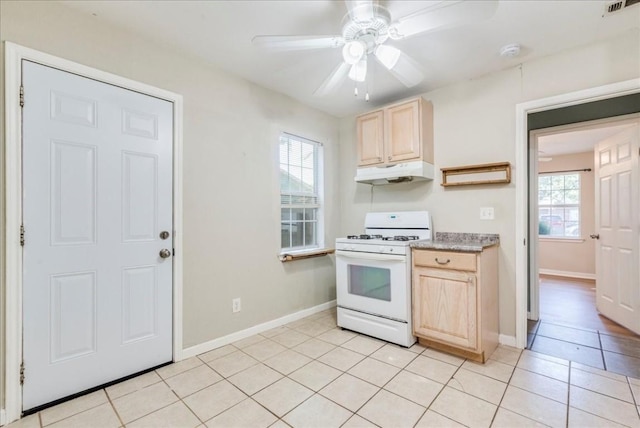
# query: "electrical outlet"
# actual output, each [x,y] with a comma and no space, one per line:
[236,305]
[486,213]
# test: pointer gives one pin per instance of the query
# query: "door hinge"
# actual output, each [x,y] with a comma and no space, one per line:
[22,373]
[22,235]
[21,96]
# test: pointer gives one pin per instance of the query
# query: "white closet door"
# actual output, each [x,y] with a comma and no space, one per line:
[97,180]
[618,228]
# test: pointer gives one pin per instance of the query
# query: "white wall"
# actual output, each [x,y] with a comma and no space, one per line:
[474,123]
[231,194]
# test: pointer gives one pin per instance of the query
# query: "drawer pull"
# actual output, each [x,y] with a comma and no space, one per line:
[442,263]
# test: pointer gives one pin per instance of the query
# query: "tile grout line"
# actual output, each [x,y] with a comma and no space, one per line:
[569,391]
[114,407]
[499,406]
[604,361]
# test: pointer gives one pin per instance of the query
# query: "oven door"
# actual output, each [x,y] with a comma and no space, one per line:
[377,284]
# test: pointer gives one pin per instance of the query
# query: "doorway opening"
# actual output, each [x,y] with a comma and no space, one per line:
[563,319]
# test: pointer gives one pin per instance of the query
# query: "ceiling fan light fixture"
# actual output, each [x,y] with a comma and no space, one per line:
[387,55]
[353,51]
[358,72]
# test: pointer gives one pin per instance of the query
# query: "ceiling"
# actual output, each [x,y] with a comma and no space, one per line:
[578,141]
[220,33]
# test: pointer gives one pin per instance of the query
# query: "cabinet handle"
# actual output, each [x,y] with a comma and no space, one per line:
[442,263]
[389,157]
[380,158]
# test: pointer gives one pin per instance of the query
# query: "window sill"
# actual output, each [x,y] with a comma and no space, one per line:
[304,254]
[570,240]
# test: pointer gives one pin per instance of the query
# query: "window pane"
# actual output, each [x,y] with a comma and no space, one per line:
[544,182]
[308,155]
[572,196]
[544,197]
[308,180]
[310,213]
[557,182]
[572,181]
[297,234]
[285,236]
[310,233]
[557,197]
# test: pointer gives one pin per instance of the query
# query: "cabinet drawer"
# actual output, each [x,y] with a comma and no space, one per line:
[445,260]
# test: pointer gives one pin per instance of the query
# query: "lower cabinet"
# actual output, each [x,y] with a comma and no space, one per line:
[455,301]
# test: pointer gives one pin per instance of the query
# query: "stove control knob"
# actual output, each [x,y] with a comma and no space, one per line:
[391,250]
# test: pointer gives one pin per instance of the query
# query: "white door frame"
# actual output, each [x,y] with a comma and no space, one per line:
[14,55]
[522,185]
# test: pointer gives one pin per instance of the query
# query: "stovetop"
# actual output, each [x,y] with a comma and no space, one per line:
[385,238]
[389,233]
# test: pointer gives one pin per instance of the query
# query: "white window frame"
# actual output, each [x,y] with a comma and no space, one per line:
[319,205]
[550,207]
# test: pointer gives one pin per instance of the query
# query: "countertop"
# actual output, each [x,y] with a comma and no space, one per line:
[465,242]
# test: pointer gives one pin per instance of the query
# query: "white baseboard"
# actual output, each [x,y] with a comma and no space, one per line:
[567,274]
[243,334]
[503,339]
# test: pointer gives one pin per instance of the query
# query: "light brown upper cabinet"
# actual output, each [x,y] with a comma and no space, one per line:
[396,133]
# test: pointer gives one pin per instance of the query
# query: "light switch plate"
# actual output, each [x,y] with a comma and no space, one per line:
[486,213]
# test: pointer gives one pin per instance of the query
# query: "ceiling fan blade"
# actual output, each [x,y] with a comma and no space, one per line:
[360,10]
[336,77]
[400,65]
[293,43]
[444,15]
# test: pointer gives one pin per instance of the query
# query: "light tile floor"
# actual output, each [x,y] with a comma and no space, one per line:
[311,374]
[601,349]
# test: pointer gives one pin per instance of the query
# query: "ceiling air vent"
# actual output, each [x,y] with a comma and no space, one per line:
[618,6]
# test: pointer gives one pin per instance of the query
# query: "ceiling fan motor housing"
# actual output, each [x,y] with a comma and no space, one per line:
[371,30]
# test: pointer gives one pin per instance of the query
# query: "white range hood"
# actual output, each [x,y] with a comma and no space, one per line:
[397,173]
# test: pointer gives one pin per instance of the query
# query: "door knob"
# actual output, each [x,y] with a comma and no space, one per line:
[595,236]
[164,234]
[164,253]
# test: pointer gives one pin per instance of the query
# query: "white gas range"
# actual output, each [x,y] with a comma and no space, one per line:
[373,275]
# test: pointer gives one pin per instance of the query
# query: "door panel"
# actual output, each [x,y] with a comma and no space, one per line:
[73,193]
[97,191]
[73,315]
[139,201]
[140,303]
[617,250]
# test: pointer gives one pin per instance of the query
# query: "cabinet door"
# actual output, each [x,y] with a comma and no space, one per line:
[444,306]
[370,138]
[403,132]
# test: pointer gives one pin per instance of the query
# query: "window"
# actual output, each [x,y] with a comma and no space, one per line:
[559,205]
[300,193]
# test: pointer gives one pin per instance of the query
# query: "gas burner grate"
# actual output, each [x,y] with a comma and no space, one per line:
[401,238]
[364,237]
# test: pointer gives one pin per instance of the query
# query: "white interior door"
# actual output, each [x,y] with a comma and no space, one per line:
[618,229]
[97,192]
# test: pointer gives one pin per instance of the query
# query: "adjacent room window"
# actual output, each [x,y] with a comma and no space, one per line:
[559,205]
[300,193]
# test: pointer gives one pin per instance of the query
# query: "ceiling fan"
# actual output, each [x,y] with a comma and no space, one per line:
[368,31]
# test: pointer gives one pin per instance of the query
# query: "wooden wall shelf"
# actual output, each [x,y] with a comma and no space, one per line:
[488,173]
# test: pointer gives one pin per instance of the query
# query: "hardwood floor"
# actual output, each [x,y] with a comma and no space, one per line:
[573,302]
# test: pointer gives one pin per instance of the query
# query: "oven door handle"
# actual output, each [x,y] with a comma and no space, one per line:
[371,256]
